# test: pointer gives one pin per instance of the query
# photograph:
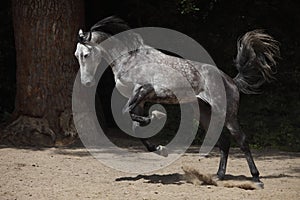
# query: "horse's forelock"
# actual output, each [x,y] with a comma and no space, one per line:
[84,37]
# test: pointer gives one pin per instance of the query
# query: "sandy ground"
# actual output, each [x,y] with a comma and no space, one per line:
[62,173]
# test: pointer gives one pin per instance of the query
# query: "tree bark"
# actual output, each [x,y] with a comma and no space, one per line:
[45,40]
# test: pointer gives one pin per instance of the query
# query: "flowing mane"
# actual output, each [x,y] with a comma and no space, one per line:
[109,27]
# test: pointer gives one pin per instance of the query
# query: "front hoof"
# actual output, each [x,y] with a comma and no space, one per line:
[157,114]
[162,151]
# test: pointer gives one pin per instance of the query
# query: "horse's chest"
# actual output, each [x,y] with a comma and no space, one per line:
[124,88]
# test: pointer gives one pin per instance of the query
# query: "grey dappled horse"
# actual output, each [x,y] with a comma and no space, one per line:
[254,61]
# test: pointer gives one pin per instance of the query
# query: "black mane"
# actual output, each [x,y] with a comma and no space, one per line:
[109,26]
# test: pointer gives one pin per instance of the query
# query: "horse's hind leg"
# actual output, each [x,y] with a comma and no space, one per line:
[235,130]
[223,142]
[224,145]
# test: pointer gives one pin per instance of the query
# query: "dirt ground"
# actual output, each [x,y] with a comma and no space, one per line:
[72,173]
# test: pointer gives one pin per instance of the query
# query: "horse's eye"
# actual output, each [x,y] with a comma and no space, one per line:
[86,55]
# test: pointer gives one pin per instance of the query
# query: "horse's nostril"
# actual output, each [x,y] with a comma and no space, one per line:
[88,84]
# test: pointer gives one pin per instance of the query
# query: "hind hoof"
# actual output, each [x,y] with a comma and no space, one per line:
[162,151]
[259,185]
[220,176]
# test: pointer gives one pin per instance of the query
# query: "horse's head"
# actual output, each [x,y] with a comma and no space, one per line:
[89,51]
[89,55]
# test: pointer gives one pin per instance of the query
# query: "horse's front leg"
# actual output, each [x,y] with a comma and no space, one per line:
[136,114]
[135,107]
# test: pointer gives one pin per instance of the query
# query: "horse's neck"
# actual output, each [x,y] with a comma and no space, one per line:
[113,53]
[117,49]
[114,57]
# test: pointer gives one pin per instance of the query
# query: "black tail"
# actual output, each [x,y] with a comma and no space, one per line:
[255,61]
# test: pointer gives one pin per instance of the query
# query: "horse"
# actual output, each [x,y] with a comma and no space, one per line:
[255,62]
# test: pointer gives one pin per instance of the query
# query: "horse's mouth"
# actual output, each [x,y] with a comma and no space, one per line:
[88,83]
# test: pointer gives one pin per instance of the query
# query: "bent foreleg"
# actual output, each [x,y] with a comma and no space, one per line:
[140,94]
[135,107]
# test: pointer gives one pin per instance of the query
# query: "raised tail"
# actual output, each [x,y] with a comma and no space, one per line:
[255,61]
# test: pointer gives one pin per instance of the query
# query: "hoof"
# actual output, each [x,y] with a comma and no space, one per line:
[157,114]
[217,177]
[259,185]
[162,151]
[220,176]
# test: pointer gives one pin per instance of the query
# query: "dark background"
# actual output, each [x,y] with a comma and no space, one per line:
[271,119]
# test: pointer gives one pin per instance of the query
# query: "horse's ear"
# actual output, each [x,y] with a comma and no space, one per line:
[80,36]
[80,33]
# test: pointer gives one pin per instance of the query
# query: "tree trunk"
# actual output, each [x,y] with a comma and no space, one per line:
[45,40]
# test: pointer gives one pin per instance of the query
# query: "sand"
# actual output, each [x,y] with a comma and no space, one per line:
[72,173]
